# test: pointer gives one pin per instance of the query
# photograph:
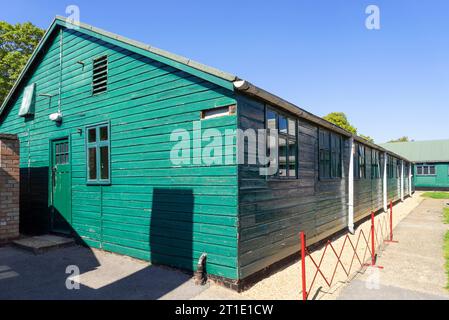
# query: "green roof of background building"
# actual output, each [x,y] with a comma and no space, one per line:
[421,151]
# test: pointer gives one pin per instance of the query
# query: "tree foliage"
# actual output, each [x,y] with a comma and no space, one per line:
[402,139]
[368,138]
[17,43]
[340,119]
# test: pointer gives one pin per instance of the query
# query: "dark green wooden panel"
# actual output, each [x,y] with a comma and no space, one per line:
[194,209]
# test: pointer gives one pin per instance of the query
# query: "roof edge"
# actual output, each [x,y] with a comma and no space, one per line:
[65,22]
[27,65]
[166,54]
[250,89]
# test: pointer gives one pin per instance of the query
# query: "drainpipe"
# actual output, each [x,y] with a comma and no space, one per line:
[351,187]
[402,180]
[200,273]
[385,182]
[410,167]
[61,39]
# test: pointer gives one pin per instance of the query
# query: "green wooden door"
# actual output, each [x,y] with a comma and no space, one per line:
[61,217]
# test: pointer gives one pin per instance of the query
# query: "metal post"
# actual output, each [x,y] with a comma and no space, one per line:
[373,242]
[303,265]
[385,183]
[391,225]
[391,220]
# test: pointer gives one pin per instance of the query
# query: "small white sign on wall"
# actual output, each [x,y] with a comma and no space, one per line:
[27,107]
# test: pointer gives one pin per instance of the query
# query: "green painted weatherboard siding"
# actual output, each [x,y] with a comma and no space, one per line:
[433,152]
[439,180]
[152,209]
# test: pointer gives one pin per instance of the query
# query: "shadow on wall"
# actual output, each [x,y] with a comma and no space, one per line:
[171,228]
[34,207]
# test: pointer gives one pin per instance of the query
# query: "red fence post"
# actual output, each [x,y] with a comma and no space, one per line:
[373,242]
[391,220]
[303,265]
[391,225]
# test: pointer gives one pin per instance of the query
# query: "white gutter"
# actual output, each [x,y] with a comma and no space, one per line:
[250,89]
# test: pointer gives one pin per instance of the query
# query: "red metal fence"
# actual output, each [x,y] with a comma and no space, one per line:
[365,243]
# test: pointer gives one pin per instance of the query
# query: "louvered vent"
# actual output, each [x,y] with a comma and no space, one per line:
[100,75]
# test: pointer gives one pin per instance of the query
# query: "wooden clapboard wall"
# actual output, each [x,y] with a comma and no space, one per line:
[272,211]
[145,101]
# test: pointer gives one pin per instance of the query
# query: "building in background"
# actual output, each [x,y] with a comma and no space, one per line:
[431,158]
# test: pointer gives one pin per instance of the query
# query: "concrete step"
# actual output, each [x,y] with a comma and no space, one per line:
[43,244]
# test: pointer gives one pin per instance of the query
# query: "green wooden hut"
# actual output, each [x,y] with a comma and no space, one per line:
[95,112]
[431,159]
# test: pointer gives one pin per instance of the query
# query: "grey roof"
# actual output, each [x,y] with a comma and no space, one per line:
[421,151]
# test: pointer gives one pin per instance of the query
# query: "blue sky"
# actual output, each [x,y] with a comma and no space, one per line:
[317,54]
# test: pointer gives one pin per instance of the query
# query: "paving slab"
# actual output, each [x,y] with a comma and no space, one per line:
[414,267]
[44,243]
[102,275]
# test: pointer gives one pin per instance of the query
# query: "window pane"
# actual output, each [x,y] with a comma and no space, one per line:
[104,163]
[104,134]
[271,119]
[291,127]
[432,170]
[327,168]
[92,135]
[334,165]
[282,157]
[282,124]
[425,170]
[92,164]
[292,158]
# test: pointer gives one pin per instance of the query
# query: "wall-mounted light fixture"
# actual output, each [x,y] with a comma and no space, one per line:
[56,117]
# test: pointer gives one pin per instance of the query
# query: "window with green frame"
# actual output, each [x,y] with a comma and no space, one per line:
[375,164]
[336,154]
[330,155]
[425,170]
[390,167]
[360,161]
[287,142]
[98,154]
[398,169]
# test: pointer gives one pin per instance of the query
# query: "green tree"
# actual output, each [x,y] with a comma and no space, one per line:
[402,139]
[368,138]
[340,119]
[17,43]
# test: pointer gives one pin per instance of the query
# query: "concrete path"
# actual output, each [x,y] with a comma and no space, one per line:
[414,267]
[103,275]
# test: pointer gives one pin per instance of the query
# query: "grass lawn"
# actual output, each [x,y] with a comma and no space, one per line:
[446,243]
[436,195]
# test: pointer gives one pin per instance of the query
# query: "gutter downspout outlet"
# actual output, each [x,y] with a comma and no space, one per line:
[200,273]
